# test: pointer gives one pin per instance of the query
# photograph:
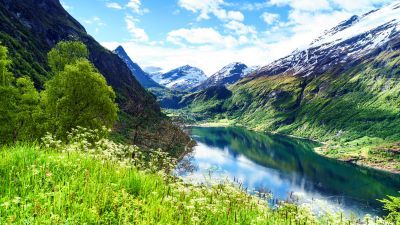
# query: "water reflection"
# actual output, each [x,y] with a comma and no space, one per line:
[285,166]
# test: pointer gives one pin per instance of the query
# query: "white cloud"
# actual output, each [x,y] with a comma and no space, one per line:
[235,15]
[305,5]
[240,28]
[65,5]
[208,58]
[95,22]
[357,5]
[255,6]
[138,34]
[210,48]
[113,5]
[270,18]
[207,7]
[200,36]
[134,5]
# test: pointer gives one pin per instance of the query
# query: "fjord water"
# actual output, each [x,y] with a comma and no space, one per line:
[289,169]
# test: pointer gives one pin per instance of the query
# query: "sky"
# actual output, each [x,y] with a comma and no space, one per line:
[210,34]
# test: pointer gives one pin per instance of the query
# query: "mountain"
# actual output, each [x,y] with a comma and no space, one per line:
[154,72]
[31,28]
[346,44]
[143,78]
[342,89]
[183,78]
[226,76]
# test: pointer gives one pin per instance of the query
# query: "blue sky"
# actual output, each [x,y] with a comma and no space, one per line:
[211,33]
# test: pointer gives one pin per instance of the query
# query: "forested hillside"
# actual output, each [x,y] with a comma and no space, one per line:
[31,28]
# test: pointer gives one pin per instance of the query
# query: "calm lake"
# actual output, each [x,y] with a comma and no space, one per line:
[289,169]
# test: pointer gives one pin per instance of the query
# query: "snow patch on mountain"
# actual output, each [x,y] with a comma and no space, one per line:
[154,72]
[343,45]
[227,75]
[182,79]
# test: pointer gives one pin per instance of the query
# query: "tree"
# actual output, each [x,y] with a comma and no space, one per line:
[66,53]
[8,98]
[29,115]
[6,78]
[78,95]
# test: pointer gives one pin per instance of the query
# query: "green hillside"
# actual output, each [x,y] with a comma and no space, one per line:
[30,30]
[356,112]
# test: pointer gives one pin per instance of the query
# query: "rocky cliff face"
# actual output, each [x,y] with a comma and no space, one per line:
[30,28]
[144,78]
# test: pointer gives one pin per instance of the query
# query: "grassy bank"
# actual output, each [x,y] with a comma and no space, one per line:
[47,186]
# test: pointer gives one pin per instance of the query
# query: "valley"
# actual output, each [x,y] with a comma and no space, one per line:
[341,90]
[113,112]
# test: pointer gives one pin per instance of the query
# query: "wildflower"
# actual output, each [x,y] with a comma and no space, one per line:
[16,200]
[6,205]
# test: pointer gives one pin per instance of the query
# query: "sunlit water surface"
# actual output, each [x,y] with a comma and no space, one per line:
[289,169]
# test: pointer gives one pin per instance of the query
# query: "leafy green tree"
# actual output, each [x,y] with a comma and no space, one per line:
[29,115]
[78,95]
[6,78]
[8,98]
[66,53]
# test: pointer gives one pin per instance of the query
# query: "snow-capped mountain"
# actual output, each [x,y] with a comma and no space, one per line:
[344,45]
[183,78]
[143,78]
[154,72]
[226,76]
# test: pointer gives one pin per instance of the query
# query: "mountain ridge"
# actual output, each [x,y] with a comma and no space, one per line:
[183,78]
[229,74]
[143,78]
[326,51]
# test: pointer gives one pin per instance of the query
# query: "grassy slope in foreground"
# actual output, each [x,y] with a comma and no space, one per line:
[356,113]
[42,186]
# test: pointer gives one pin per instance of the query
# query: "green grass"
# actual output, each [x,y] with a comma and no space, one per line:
[44,186]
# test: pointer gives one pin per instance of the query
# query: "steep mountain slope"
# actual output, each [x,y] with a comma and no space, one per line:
[154,72]
[182,79]
[343,89]
[344,45]
[226,76]
[30,28]
[143,78]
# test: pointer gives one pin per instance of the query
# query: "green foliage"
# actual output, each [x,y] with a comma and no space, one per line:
[66,53]
[6,78]
[76,96]
[93,180]
[18,105]
[79,96]
[8,98]
[29,115]
[392,206]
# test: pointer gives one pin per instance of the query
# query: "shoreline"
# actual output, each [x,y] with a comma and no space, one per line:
[318,150]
